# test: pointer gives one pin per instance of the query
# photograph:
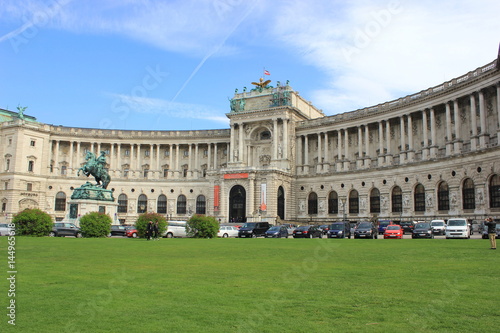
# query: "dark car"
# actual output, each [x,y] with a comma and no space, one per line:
[365,230]
[277,231]
[339,230]
[485,231]
[307,231]
[61,229]
[119,230]
[407,226]
[422,230]
[324,228]
[253,229]
[382,225]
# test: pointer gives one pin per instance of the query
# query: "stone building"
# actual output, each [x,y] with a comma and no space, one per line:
[433,154]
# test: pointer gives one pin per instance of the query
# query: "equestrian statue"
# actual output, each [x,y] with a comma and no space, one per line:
[95,167]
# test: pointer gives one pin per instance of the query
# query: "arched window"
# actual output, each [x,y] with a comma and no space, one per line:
[312,204]
[161,206]
[60,205]
[142,204]
[495,191]
[122,203]
[397,200]
[443,196]
[375,201]
[201,205]
[468,195]
[353,202]
[181,204]
[333,203]
[419,198]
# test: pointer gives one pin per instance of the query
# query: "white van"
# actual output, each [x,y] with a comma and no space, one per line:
[175,229]
[457,228]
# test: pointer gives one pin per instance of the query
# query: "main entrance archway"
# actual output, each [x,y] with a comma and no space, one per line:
[281,203]
[237,204]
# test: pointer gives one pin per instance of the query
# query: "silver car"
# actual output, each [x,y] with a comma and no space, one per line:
[4,229]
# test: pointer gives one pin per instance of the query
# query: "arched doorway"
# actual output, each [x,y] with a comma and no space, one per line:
[237,204]
[281,203]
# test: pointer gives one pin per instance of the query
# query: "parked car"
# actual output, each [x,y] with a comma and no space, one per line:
[422,230]
[382,225]
[226,231]
[393,231]
[253,229]
[457,228]
[175,229]
[324,228]
[407,226]
[277,231]
[119,230]
[339,230]
[307,231]
[132,232]
[61,229]
[290,228]
[485,232]
[4,229]
[438,227]
[365,230]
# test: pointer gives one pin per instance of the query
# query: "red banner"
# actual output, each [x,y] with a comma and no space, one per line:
[235,175]
[216,197]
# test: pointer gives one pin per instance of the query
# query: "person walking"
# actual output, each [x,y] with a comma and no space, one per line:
[156,230]
[149,230]
[492,232]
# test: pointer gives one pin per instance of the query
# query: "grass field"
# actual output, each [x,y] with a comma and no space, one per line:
[252,285]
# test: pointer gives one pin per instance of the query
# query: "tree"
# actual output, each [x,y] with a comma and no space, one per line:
[95,224]
[142,223]
[201,226]
[32,222]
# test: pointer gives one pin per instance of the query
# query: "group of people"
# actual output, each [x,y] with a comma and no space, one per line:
[152,231]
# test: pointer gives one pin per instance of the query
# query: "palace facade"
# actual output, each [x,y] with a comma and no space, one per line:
[433,154]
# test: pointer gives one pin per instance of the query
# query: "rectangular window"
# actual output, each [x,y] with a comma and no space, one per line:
[146,153]
[167,152]
[146,171]
[31,166]
[127,152]
[186,152]
[165,173]
[29,187]
[7,165]
[125,173]
[32,143]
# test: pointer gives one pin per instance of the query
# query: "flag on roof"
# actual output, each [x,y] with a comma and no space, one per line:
[266,72]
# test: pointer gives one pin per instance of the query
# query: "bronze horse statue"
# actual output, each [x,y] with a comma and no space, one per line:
[95,167]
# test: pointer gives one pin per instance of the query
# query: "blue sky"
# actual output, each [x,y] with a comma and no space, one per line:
[173,65]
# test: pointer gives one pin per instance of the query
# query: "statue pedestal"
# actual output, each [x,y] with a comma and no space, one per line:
[90,198]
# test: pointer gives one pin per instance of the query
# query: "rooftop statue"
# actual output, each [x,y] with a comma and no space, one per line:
[95,167]
[21,109]
[261,84]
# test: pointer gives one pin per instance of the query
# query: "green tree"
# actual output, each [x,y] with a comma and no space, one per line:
[201,226]
[32,222]
[95,224]
[142,223]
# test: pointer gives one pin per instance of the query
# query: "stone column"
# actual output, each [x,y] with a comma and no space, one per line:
[178,172]
[410,155]
[275,139]
[483,135]
[380,157]
[449,138]
[300,161]
[112,159]
[359,161]
[347,162]
[241,157]
[473,120]
[285,138]
[118,159]
[158,160]
[319,167]
[326,164]
[190,161]
[434,147]
[231,143]
[339,150]
[457,143]
[78,147]
[215,156]
[306,154]
[498,109]
[197,160]
[56,158]
[70,159]
[367,160]
[132,159]
[170,160]
[425,144]
[209,156]
[402,152]
[388,156]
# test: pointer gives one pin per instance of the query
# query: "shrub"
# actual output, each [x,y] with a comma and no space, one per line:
[142,223]
[201,226]
[95,224]
[32,222]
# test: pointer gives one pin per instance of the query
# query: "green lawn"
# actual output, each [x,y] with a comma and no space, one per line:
[253,285]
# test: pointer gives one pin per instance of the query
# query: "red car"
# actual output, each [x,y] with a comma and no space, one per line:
[393,231]
[132,232]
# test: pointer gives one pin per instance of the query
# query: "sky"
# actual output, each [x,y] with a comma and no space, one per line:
[174,65]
